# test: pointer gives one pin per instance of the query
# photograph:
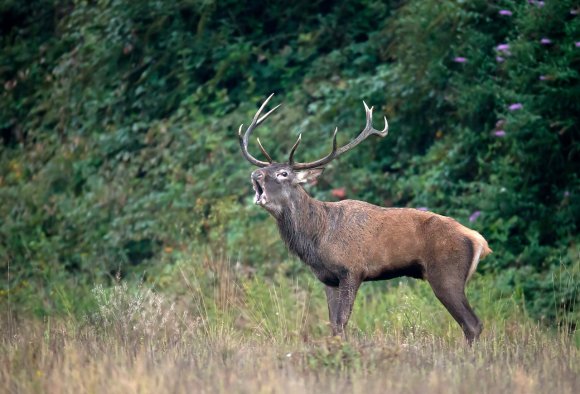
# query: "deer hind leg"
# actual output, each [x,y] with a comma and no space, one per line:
[455,301]
[448,277]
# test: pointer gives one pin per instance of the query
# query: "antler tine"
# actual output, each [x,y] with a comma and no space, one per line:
[318,163]
[244,139]
[368,130]
[264,151]
[369,126]
[268,113]
[291,157]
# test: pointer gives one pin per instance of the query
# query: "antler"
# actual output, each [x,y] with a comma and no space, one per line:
[368,130]
[244,139]
[336,152]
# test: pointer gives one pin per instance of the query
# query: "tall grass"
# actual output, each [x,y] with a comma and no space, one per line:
[222,328]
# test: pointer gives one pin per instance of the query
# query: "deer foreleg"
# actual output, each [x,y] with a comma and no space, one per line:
[332,300]
[347,289]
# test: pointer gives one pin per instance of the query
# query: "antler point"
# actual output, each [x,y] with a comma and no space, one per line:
[386,129]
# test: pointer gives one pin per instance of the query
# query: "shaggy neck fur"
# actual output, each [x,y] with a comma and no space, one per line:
[302,223]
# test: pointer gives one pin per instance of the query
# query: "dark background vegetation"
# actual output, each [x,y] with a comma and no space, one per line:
[118,123]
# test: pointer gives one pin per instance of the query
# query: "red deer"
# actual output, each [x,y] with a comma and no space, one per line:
[349,242]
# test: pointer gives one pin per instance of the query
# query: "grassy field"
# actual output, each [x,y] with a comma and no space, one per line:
[225,329]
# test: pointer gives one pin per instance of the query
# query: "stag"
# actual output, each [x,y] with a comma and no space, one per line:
[349,242]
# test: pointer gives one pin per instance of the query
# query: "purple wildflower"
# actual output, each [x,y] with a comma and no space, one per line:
[499,59]
[540,4]
[503,47]
[505,12]
[543,78]
[473,217]
[577,43]
[566,193]
[515,106]
[545,41]
[499,133]
[460,59]
[422,208]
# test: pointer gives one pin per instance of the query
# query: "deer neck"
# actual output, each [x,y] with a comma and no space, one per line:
[302,224]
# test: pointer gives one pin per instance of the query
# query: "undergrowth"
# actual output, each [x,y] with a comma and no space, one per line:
[219,327]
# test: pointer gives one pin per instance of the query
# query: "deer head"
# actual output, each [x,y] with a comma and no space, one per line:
[276,184]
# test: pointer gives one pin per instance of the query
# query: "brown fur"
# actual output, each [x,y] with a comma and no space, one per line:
[373,241]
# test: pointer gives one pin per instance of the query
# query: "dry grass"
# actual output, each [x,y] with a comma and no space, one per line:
[242,335]
[55,358]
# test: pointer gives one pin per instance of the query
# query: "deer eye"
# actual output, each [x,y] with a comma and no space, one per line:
[282,174]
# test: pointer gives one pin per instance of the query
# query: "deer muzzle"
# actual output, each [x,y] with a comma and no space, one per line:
[258,183]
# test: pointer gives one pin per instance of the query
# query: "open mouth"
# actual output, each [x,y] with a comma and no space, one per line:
[260,197]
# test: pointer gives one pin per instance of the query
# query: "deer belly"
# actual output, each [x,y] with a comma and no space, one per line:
[400,253]
[394,262]
[413,269]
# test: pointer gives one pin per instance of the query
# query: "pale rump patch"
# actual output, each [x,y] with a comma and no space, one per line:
[481,249]
[475,261]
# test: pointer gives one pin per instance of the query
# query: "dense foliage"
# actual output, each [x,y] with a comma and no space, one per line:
[118,124]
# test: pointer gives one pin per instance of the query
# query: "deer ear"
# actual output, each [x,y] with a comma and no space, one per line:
[304,176]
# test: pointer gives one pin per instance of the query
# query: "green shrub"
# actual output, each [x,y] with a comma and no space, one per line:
[118,125]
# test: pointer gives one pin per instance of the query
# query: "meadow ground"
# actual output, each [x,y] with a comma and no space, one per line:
[221,330]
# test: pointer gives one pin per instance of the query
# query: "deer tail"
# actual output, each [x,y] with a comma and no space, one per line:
[480,249]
